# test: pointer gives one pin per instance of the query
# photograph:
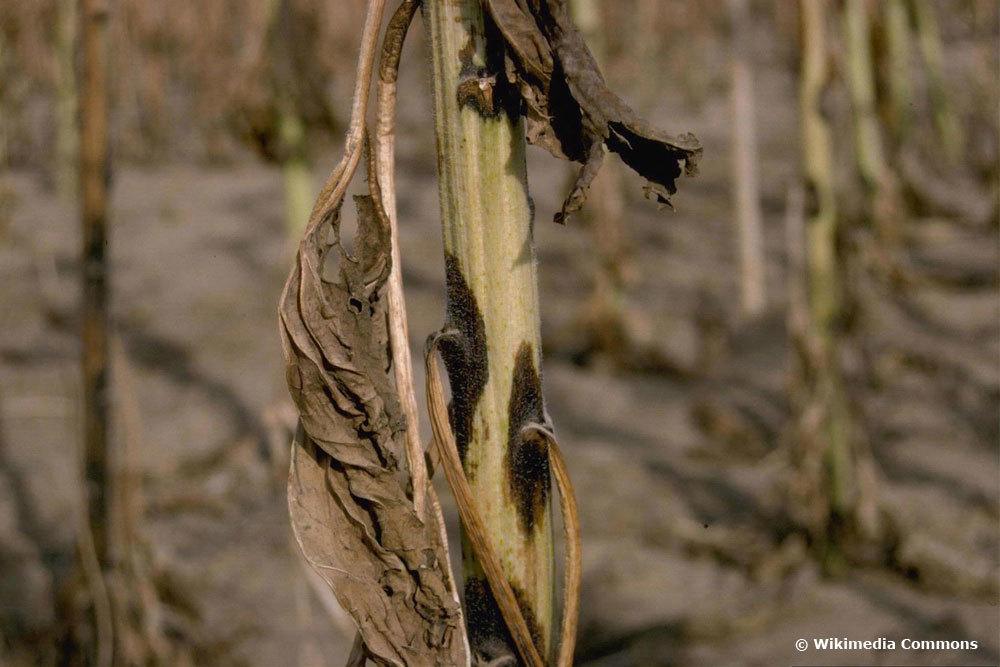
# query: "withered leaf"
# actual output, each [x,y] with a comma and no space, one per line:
[348,503]
[569,109]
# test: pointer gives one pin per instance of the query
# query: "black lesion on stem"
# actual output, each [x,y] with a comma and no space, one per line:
[529,617]
[477,90]
[488,634]
[465,355]
[527,458]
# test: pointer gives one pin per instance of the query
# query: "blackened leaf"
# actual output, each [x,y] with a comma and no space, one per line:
[523,36]
[569,108]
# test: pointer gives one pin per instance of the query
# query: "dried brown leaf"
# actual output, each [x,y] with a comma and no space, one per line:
[569,109]
[349,508]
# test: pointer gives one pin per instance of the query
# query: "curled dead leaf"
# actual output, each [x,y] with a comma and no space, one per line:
[569,109]
[350,511]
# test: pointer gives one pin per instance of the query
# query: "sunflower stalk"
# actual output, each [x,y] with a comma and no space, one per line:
[490,266]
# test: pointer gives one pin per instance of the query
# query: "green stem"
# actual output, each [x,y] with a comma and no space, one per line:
[929,38]
[861,85]
[299,195]
[817,159]
[493,301]
[897,34]
[880,181]
[824,289]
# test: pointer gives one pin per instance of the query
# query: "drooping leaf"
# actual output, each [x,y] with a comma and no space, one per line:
[349,508]
[569,109]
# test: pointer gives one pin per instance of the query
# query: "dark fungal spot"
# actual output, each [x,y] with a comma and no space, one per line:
[477,92]
[811,199]
[465,356]
[528,477]
[486,88]
[529,617]
[527,459]
[488,634]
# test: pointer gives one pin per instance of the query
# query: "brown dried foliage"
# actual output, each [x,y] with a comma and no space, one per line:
[349,508]
[569,109]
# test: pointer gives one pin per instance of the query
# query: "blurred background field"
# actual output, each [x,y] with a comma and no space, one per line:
[677,417]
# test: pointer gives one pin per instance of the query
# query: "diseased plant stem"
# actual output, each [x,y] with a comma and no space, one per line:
[473,526]
[493,303]
[479,538]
